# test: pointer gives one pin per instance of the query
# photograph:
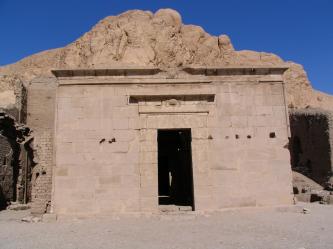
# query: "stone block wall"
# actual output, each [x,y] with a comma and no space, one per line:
[311,143]
[248,153]
[106,148]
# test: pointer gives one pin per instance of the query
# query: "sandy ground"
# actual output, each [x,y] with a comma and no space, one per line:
[250,228]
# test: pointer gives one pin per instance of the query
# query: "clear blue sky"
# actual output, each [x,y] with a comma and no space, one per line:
[297,30]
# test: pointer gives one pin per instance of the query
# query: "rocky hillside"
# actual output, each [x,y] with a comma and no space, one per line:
[159,39]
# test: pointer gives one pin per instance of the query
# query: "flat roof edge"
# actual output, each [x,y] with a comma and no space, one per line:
[194,70]
[105,71]
[237,70]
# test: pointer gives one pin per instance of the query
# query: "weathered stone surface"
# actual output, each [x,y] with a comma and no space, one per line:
[49,218]
[13,96]
[31,219]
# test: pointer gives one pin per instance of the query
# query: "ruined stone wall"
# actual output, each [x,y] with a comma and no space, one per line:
[311,143]
[106,145]
[12,103]
[41,114]
[13,167]
[6,171]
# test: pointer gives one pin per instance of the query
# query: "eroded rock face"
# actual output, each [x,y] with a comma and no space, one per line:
[12,96]
[143,38]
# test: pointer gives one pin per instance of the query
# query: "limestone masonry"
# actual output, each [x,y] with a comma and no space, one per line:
[237,120]
[146,114]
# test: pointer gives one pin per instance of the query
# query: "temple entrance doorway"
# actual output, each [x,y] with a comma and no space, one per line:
[175,176]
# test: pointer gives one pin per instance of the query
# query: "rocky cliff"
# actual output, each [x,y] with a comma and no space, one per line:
[159,39]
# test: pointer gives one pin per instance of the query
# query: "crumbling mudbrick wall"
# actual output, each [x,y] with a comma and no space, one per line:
[12,108]
[41,118]
[6,171]
[311,143]
[14,161]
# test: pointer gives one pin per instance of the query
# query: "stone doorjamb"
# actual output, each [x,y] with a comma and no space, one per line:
[149,154]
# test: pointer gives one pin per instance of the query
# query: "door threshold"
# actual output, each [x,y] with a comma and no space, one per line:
[174,208]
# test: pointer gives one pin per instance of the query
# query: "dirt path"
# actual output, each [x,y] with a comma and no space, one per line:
[246,228]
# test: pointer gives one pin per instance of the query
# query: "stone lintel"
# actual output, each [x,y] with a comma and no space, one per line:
[185,97]
[172,109]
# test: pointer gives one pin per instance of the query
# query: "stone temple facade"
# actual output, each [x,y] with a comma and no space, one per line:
[124,140]
[146,114]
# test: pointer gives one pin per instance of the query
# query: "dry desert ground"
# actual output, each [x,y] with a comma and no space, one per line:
[246,228]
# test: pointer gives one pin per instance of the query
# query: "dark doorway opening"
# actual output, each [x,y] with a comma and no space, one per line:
[175,176]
